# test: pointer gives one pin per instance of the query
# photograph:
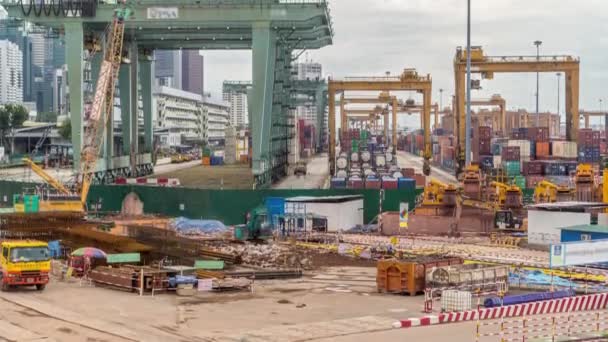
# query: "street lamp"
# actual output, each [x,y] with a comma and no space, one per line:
[441,98]
[537,43]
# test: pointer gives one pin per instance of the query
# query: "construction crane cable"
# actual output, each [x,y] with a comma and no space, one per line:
[47,7]
[37,9]
[29,9]
[56,4]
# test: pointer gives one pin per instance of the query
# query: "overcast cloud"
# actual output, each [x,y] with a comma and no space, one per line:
[374,36]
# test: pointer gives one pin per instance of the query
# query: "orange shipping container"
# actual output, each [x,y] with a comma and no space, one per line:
[407,277]
[542,149]
[206,161]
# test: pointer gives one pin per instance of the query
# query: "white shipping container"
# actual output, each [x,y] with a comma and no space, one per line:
[454,300]
[524,146]
[497,162]
[564,149]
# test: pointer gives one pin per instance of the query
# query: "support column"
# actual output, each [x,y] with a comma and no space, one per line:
[460,119]
[321,101]
[146,80]
[394,107]
[124,86]
[331,123]
[426,114]
[572,115]
[74,50]
[134,93]
[586,120]
[262,90]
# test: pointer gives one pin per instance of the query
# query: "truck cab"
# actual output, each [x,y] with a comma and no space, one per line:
[24,263]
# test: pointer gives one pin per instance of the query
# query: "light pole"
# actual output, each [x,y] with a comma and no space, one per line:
[440,98]
[537,43]
[467,126]
[601,116]
[559,117]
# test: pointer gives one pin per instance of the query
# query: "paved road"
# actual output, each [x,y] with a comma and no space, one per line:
[316,178]
[409,160]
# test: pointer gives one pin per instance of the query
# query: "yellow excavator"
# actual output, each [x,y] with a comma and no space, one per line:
[584,182]
[505,195]
[94,127]
[547,192]
[439,193]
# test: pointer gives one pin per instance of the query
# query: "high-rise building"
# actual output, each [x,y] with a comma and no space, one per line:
[310,71]
[39,49]
[192,71]
[181,114]
[168,68]
[235,93]
[11,73]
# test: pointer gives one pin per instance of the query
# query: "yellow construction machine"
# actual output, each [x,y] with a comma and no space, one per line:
[439,193]
[547,192]
[505,195]
[584,182]
[94,126]
[471,181]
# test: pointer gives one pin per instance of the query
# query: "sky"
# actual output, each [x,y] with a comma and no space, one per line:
[375,36]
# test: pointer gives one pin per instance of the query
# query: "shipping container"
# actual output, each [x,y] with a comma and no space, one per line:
[395,276]
[520,181]
[564,149]
[524,147]
[338,183]
[497,160]
[512,168]
[532,168]
[532,181]
[406,184]
[373,183]
[511,153]
[389,183]
[355,183]
[542,150]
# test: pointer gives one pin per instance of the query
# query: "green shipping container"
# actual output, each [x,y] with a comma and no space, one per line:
[31,203]
[354,148]
[354,143]
[512,168]
[206,152]
[364,136]
[520,181]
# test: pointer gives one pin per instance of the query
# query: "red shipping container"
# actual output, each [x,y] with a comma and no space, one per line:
[532,181]
[542,149]
[355,183]
[408,172]
[420,180]
[510,153]
[373,183]
[485,132]
[532,168]
[389,183]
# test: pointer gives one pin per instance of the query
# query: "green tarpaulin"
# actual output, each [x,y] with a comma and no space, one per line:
[209,264]
[132,258]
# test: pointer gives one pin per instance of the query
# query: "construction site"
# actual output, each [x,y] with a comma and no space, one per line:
[489,221]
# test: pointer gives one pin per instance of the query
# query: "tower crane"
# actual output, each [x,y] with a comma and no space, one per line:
[94,127]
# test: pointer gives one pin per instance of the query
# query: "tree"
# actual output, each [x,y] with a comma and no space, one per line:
[66,130]
[11,116]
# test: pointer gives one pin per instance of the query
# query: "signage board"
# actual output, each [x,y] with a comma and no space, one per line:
[163,13]
[578,253]
[403,214]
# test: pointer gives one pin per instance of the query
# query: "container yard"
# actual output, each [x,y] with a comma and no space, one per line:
[211,171]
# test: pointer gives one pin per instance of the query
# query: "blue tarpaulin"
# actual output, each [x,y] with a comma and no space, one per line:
[526,298]
[185,225]
[179,280]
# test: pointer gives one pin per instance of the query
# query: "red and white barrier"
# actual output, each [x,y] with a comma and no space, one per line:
[149,181]
[579,303]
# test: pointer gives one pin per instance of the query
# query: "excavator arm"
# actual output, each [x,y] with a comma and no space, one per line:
[46,177]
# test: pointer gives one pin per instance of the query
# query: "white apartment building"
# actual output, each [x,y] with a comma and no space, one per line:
[216,117]
[308,71]
[238,108]
[11,73]
[181,113]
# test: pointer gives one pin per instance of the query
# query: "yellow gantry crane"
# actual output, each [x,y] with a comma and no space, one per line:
[488,65]
[547,192]
[408,80]
[101,111]
[587,113]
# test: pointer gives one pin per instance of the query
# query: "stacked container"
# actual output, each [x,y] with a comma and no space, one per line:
[564,150]
[588,146]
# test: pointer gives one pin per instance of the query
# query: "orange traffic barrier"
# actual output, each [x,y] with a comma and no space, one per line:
[206,161]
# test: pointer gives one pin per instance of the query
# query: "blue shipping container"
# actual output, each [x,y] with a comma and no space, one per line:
[406,184]
[338,183]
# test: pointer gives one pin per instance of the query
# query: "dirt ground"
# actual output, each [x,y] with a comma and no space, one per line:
[335,301]
[213,177]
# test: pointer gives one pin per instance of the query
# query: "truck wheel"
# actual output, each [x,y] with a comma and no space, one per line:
[40,287]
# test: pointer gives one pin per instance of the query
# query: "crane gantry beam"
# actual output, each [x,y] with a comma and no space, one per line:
[494,100]
[488,65]
[587,113]
[407,81]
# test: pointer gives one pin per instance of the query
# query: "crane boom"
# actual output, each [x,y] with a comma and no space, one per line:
[103,100]
[46,177]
